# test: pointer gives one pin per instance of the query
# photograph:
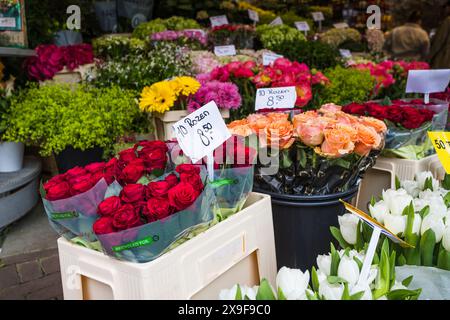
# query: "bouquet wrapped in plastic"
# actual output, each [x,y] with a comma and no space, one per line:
[316,152]
[71,199]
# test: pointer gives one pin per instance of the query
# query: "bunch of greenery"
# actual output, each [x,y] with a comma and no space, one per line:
[145,30]
[290,17]
[4,113]
[134,72]
[54,117]
[272,37]
[347,85]
[335,37]
[315,54]
[117,46]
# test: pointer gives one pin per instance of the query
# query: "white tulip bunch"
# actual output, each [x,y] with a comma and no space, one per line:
[336,278]
[417,211]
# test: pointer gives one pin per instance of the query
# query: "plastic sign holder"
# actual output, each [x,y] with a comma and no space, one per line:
[302,26]
[318,17]
[427,81]
[276,22]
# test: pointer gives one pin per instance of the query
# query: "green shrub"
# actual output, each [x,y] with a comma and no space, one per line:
[315,54]
[335,37]
[347,85]
[57,116]
[271,37]
[289,18]
[116,46]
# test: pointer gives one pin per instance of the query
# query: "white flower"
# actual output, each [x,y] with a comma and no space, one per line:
[348,224]
[435,223]
[422,176]
[331,291]
[228,294]
[293,283]
[399,203]
[412,187]
[348,270]
[324,263]
[362,288]
[390,195]
[447,218]
[398,286]
[395,224]
[419,204]
[379,211]
[250,292]
[417,224]
[446,238]
[437,207]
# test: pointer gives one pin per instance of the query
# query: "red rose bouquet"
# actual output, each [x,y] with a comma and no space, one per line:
[240,35]
[71,199]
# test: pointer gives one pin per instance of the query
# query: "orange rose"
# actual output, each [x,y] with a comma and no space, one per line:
[310,134]
[277,116]
[279,134]
[330,107]
[368,139]
[258,122]
[378,125]
[304,117]
[240,128]
[337,143]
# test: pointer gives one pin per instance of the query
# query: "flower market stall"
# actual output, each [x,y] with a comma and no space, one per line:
[231,150]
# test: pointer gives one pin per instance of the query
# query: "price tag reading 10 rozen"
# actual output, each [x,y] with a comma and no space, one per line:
[275,98]
[201,132]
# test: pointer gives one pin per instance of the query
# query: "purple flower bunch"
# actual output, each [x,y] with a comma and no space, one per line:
[170,35]
[224,94]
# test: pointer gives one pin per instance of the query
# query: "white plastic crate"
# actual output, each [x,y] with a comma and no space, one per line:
[240,249]
[382,175]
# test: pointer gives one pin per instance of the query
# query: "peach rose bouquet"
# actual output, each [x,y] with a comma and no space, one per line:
[319,152]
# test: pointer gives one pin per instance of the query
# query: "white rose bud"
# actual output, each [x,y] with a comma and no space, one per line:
[399,202]
[412,187]
[293,283]
[395,224]
[379,210]
[348,224]
[446,238]
[390,195]
[434,223]
[324,263]
[348,270]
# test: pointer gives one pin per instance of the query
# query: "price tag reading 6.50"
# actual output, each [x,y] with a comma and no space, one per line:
[275,98]
[201,132]
[441,142]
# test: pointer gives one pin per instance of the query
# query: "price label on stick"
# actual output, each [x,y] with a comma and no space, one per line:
[275,98]
[201,132]
[302,25]
[345,53]
[269,58]
[222,51]
[276,22]
[340,25]
[253,15]
[318,16]
[217,21]
[427,81]
[441,143]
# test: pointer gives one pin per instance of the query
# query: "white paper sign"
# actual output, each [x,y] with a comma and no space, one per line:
[8,22]
[427,81]
[222,51]
[276,22]
[340,25]
[268,58]
[318,16]
[345,53]
[253,15]
[275,98]
[201,132]
[302,25]
[217,21]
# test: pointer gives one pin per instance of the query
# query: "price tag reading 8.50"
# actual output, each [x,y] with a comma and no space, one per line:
[201,132]
[441,142]
[275,98]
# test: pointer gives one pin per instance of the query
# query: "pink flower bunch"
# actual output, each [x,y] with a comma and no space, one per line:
[51,59]
[224,94]
[170,35]
[203,61]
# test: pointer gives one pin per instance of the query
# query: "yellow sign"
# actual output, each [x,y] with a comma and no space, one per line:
[441,142]
[373,223]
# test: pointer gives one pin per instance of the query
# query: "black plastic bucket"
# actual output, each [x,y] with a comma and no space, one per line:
[302,226]
[70,158]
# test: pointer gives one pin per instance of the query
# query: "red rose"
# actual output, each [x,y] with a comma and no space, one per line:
[96,177]
[75,172]
[243,72]
[104,225]
[111,170]
[152,145]
[95,167]
[54,181]
[394,114]
[140,208]
[109,206]
[355,108]
[220,74]
[182,196]
[132,193]
[188,168]
[126,218]
[154,158]
[192,179]
[157,189]
[377,111]
[412,119]
[159,208]
[58,191]
[82,185]
[132,172]
[126,156]
[172,180]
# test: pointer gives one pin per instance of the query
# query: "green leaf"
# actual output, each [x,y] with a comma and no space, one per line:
[428,184]
[401,260]
[281,294]
[443,261]
[357,296]
[406,282]
[359,245]
[447,199]
[386,101]
[403,294]
[392,265]
[336,233]
[427,243]
[143,180]
[424,212]
[238,293]
[446,182]
[358,262]
[383,281]
[335,259]
[312,296]
[265,291]
[335,279]
[345,293]
[314,279]
[398,184]
[373,200]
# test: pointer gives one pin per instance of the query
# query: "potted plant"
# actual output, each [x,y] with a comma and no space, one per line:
[76,123]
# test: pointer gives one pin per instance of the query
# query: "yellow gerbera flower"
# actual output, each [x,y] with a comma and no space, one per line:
[158,98]
[188,85]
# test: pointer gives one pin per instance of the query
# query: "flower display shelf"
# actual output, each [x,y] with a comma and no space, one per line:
[19,191]
[382,175]
[164,122]
[240,249]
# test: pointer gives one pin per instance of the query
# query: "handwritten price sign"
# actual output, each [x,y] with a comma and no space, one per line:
[222,51]
[441,142]
[217,21]
[269,58]
[302,25]
[318,16]
[201,132]
[275,98]
[253,15]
